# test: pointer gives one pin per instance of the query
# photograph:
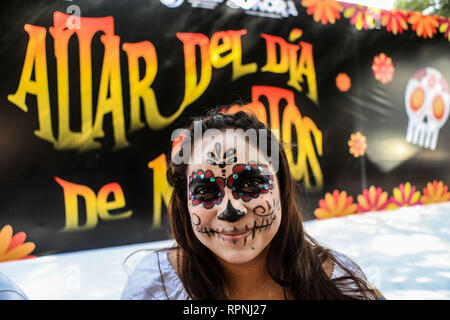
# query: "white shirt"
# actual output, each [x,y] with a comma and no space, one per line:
[154,278]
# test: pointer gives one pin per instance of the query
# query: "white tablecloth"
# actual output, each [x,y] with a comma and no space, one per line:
[405,253]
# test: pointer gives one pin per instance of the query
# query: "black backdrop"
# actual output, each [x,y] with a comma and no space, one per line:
[32,200]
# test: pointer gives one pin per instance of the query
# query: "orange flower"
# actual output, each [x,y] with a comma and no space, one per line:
[383,68]
[335,205]
[404,196]
[373,199]
[445,27]
[360,16]
[343,82]
[395,21]
[357,144]
[13,247]
[435,192]
[424,25]
[325,11]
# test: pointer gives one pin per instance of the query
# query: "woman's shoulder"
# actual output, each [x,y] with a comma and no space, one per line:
[154,278]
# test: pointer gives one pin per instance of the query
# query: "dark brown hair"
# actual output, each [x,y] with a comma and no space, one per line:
[294,260]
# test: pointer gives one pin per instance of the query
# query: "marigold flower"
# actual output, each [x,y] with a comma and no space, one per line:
[435,192]
[325,11]
[373,199]
[395,21]
[13,247]
[404,196]
[424,25]
[444,27]
[343,82]
[360,16]
[357,144]
[335,205]
[383,68]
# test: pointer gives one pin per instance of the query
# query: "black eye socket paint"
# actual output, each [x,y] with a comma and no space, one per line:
[250,180]
[206,189]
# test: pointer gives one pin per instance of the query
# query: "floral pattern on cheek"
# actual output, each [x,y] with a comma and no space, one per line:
[238,169]
[207,175]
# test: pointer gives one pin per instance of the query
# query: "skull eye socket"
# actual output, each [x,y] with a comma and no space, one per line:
[438,107]
[417,99]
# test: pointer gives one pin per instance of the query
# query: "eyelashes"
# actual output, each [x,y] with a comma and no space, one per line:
[250,185]
[205,188]
[205,191]
[250,180]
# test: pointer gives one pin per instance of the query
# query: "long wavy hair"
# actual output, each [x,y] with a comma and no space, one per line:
[294,260]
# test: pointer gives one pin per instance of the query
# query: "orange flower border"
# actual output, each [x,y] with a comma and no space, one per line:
[13,246]
[340,204]
[323,11]
[394,21]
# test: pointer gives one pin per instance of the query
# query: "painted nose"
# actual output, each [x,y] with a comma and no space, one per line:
[231,214]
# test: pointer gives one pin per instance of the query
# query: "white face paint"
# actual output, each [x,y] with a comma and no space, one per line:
[233,198]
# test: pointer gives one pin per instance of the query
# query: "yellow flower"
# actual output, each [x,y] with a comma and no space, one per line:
[435,192]
[404,196]
[335,205]
[360,16]
[13,247]
[444,27]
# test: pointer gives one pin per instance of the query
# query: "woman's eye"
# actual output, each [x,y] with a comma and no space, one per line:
[202,191]
[205,194]
[251,186]
[252,183]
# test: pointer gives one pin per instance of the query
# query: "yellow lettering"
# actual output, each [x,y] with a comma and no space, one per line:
[104,206]
[141,88]
[111,80]
[35,58]
[161,189]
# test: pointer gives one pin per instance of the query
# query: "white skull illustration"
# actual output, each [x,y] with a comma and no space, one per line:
[427,103]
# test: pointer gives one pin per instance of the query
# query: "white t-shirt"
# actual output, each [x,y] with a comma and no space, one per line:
[154,278]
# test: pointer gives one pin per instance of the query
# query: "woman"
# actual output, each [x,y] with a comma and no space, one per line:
[237,225]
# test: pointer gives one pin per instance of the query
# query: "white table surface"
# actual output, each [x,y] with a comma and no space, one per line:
[405,253]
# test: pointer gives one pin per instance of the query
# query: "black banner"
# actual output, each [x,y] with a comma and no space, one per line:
[90,93]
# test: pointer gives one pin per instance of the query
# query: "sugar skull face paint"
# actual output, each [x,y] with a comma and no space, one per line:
[233,200]
[205,188]
[250,180]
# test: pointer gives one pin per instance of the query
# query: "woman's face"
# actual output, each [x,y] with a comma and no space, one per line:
[233,198]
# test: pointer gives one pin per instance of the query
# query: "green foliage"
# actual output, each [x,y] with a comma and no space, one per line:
[439,7]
